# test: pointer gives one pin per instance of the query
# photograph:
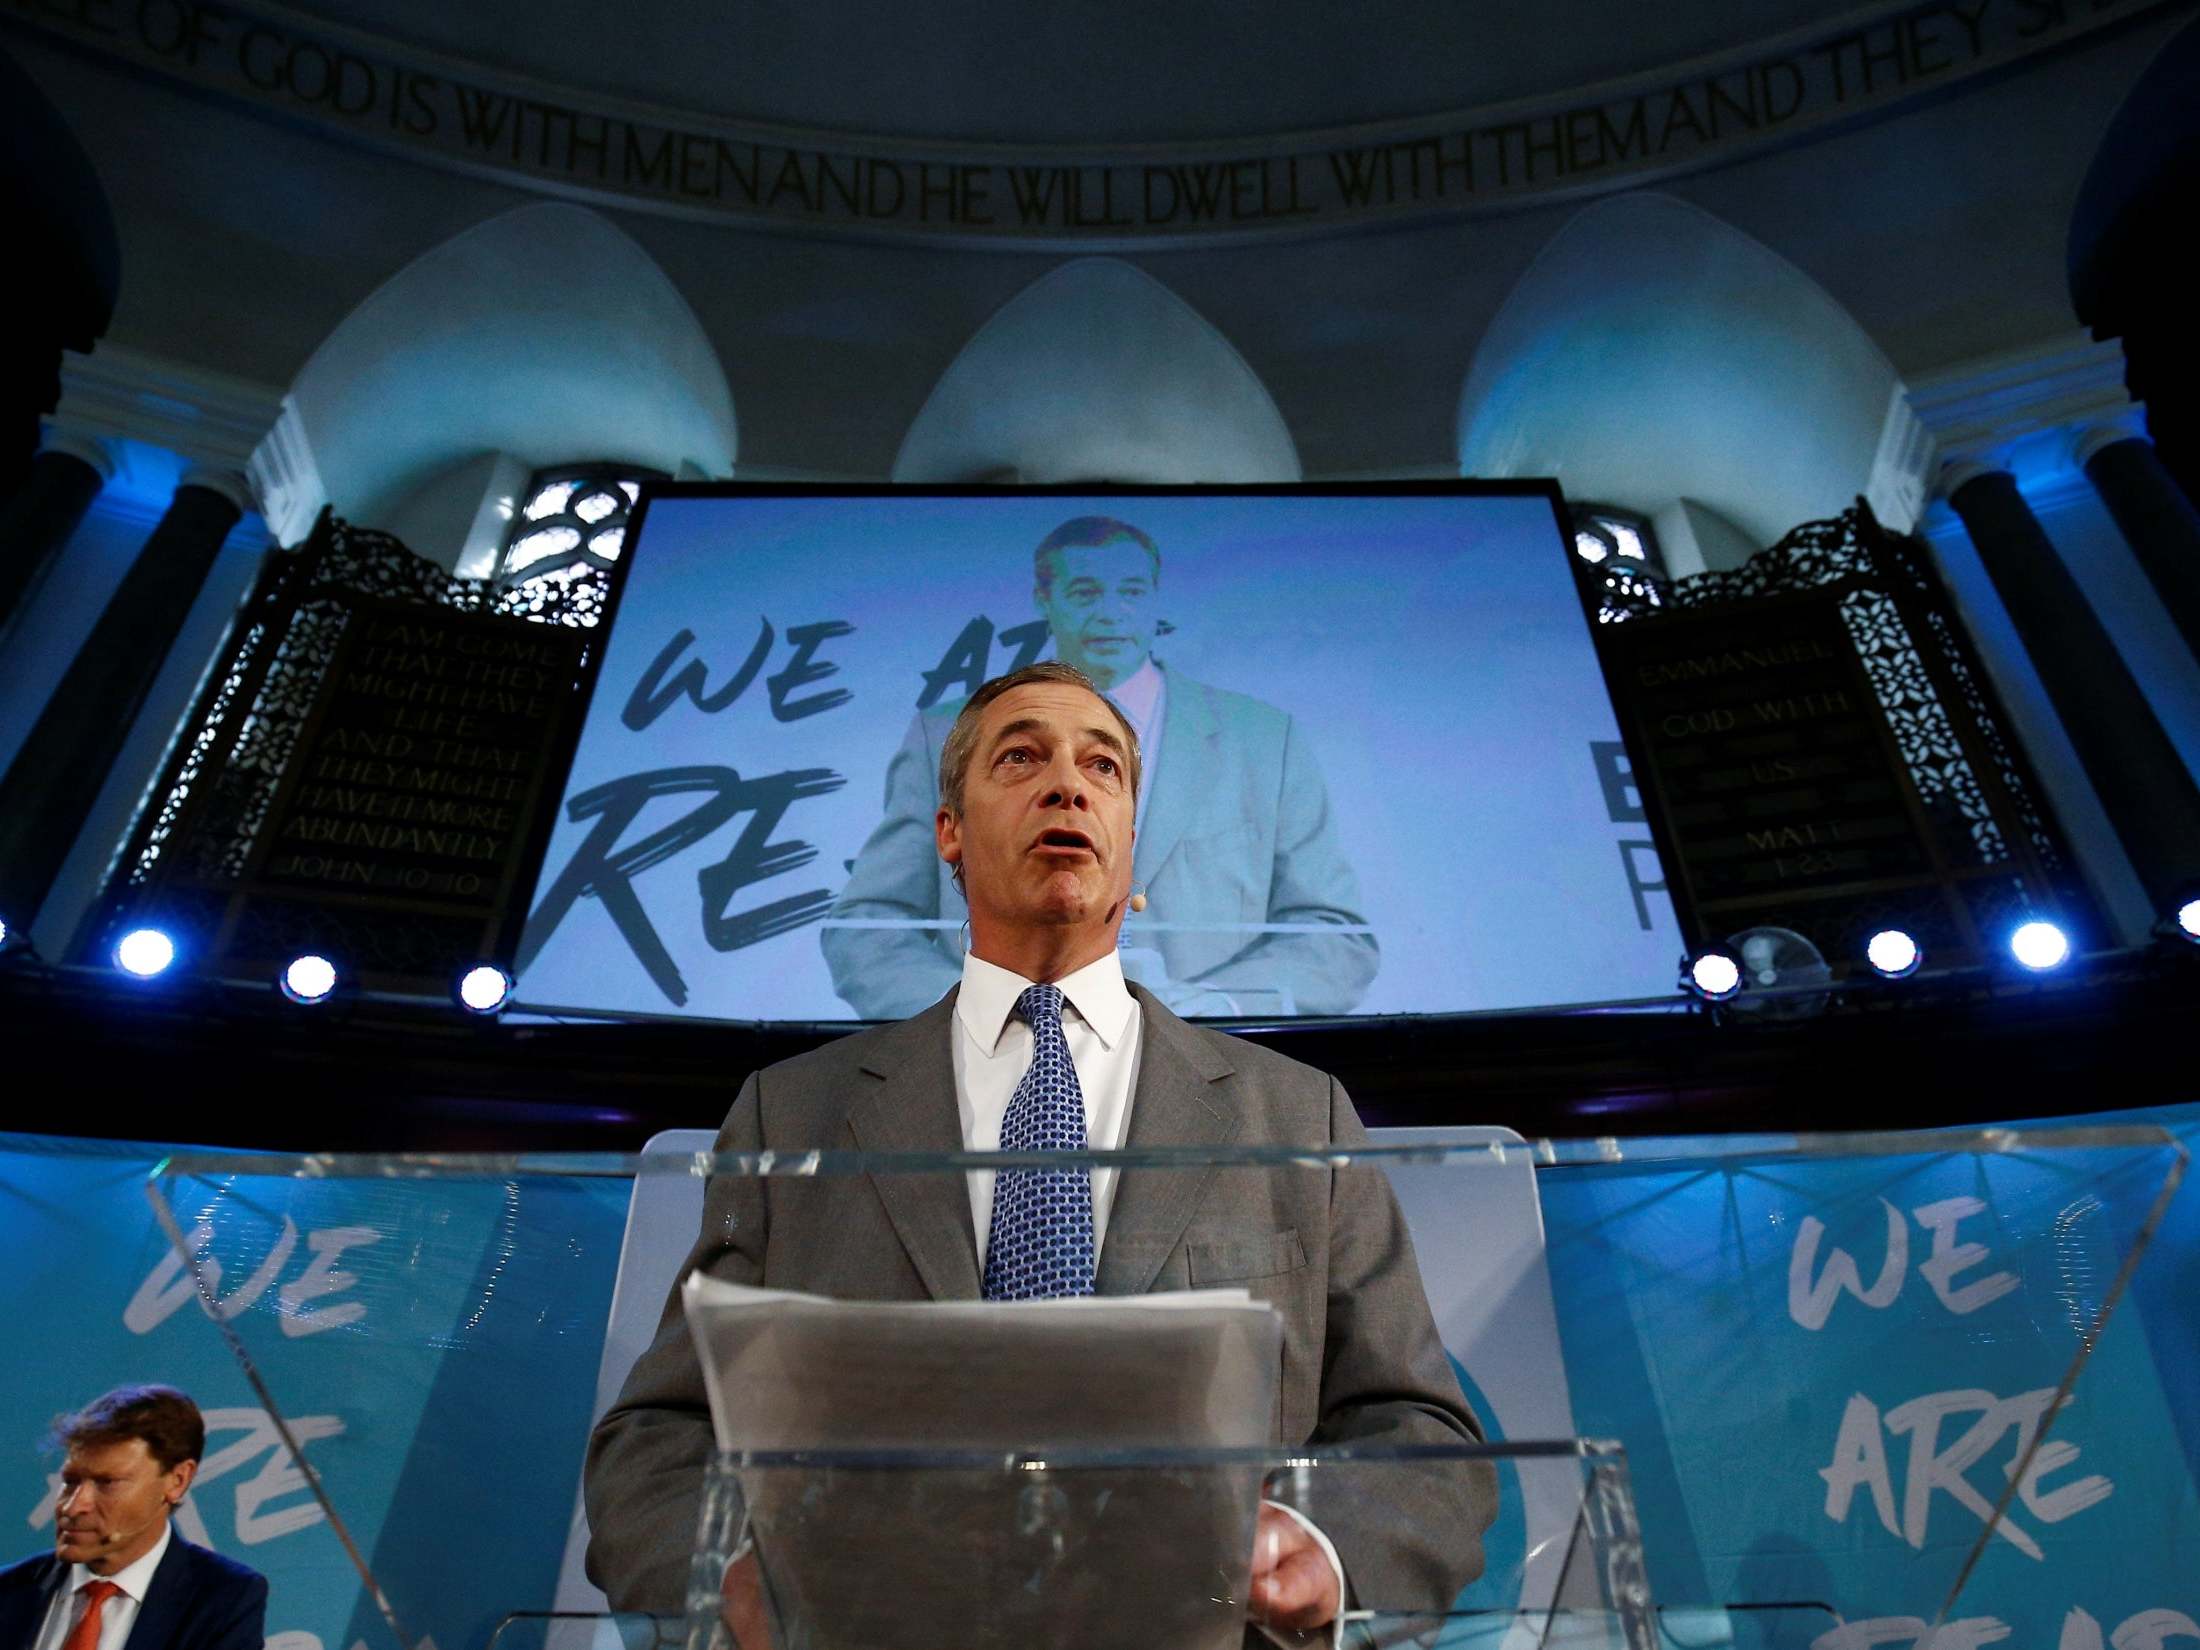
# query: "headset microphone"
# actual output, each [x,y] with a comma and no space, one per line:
[1138,902]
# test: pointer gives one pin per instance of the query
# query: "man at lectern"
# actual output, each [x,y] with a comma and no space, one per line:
[1043,1045]
[1236,840]
[119,1577]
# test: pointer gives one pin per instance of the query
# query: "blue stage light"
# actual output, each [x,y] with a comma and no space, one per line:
[309,979]
[1893,953]
[484,988]
[1713,975]
[2040,946]
[6,933]
[145,952]
[2186,919]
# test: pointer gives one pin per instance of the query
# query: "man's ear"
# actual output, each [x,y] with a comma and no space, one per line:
[947,832]
[179,1480]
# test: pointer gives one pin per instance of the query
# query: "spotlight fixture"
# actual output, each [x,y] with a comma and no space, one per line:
[1713,975]
[309,979]
[2183,921]
[2040,946]
[6,933]
[1893,953]
[145,952]
[483,989]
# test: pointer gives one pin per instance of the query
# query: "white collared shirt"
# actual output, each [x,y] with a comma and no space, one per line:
[1101,1024]
[121,1613]
[1143,698]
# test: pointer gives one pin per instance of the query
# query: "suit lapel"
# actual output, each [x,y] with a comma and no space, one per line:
[162,1612]
[910,1107]
[23,1605]
[1173,1106]
[1188,730]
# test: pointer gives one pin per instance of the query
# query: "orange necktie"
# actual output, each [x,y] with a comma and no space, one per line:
[85,1634]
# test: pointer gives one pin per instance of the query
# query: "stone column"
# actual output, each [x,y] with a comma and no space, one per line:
[2141,780]
[38,519]
[2156,519]
[50,787]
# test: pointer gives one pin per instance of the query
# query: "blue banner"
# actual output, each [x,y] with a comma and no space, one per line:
[386,1324]
[1827,1372]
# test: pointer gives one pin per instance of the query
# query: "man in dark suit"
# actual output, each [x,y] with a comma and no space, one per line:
[119,1577]
[1042,1044]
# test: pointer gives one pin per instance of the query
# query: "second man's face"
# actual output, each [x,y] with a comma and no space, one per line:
[1100,606]
[1044,839]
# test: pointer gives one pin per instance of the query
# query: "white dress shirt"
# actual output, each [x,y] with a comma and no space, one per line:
[1101,1024]
[1103,1027]
[121,1613]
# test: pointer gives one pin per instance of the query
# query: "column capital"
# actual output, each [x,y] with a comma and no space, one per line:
[84,448]
[228,483]
[2088,440]
[1961,472]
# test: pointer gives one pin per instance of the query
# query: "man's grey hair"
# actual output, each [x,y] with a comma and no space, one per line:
[962,738]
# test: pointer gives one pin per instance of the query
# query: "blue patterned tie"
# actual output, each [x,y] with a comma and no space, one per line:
[1040,1242]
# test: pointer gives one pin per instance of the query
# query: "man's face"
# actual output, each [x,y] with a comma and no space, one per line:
[1044,839]
[1100,605]
[114,1503]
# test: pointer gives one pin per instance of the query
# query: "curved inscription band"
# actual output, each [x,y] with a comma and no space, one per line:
[573,144]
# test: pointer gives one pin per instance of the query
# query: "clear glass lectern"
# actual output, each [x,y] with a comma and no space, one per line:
[902,1540]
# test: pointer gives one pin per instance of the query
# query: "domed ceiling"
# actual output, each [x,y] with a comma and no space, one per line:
[1148,71]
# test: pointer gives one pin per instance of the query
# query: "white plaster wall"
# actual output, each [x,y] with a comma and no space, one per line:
[545,332]
[1098,372]
[1652,352]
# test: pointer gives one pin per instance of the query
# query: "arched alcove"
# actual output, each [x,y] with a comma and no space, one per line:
[543,335]
[1096,371]
[1653,354]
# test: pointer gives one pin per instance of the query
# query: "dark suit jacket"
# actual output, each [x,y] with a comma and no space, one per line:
[1326,1247]
[199,1600]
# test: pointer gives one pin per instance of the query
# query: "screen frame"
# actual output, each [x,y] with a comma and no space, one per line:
[1546,489]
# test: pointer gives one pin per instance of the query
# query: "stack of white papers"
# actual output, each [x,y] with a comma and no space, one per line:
[868,1546]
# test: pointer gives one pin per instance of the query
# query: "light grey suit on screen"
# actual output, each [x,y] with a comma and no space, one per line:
[1326,1247]
[1238,830]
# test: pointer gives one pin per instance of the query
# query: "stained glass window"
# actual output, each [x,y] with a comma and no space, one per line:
[1623,545]
[572,519]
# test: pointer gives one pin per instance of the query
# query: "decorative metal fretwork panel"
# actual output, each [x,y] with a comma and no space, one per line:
[1997,850]
[203,826]
[1920,724]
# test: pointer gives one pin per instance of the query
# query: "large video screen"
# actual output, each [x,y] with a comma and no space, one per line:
[1382,773]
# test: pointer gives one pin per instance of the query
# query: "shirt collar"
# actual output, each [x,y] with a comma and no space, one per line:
[1096,991]
[1136,694]
[133,1578]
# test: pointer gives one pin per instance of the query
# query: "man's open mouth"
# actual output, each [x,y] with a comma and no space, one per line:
[1067,839]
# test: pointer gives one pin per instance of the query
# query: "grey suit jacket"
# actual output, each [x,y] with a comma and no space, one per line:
[1238,830]
[1327,1247]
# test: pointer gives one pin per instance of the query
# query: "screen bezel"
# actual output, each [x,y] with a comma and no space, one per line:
[1546,489]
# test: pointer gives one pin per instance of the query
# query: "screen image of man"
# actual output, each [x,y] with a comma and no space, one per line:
[120,1577]
[1042,1044]
[1237,846]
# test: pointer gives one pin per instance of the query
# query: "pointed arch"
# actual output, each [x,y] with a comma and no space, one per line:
[1653,353]
[1098,372]
[545,333]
